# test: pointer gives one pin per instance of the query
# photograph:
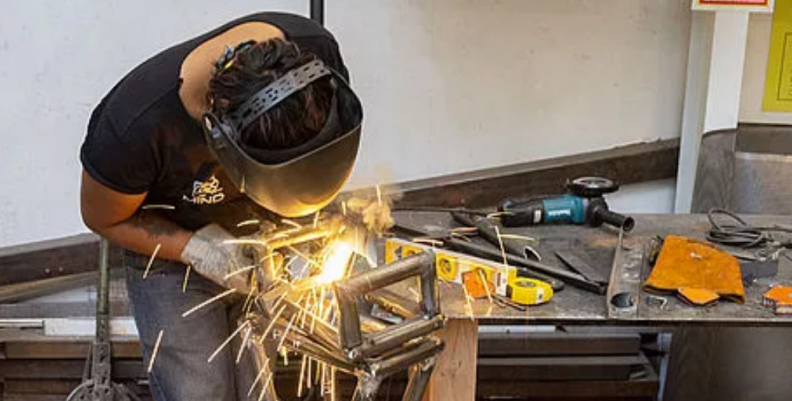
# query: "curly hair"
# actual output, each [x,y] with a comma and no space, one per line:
[293,121]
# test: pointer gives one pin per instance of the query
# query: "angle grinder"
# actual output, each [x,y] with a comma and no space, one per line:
[583,204]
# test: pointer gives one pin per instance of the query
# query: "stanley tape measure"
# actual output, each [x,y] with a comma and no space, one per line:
[527,291]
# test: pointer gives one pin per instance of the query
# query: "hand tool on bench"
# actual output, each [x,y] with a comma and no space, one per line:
[583,204]
[488,252]
[487,229]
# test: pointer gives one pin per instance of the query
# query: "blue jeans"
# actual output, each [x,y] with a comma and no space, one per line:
[181,371]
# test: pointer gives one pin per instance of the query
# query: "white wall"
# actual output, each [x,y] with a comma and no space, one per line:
[753,85]
[448,85]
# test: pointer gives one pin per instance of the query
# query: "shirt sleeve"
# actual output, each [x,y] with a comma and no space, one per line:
[124,163]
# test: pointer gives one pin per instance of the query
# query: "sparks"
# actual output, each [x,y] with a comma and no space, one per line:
[430,241]
[271,325]
[259,376]
[208,301]
[186,277]
[251,222]
[379,194]
[310,373]
[269,261]
[155,351]
[335,263]
[322,380]
[314,316]
[239,271]
[244,241]
[468,306]
[343,208]
[496,215]
[286,332]
[249,299]
[228,340]
[519,237]
[151,260]
[415,294]
[244,344]
[485,282]
[291,223]
[316,219]
[300,383]
[332,384]
[503,250]
[166,207]
[266,383]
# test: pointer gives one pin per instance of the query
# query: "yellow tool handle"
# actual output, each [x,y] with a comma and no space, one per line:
[527,291]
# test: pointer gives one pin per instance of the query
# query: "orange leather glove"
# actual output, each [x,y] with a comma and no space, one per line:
[689,265]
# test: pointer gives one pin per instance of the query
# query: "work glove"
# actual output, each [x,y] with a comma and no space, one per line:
[210,254]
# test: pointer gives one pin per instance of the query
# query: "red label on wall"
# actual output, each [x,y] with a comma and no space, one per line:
[750,5]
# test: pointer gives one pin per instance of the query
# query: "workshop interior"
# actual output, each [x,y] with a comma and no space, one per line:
[383,200]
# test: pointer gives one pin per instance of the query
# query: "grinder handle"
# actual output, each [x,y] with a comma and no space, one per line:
[603,215]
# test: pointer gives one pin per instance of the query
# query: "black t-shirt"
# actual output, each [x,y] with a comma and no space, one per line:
[141,139]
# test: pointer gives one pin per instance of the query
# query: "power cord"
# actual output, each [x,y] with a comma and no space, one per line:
[727,228]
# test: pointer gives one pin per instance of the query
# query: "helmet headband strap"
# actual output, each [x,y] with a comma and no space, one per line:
[274,93]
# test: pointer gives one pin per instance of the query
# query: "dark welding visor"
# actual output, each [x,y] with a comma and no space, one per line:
[301,180]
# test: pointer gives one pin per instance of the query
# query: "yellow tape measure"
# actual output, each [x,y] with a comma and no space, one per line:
[526,291]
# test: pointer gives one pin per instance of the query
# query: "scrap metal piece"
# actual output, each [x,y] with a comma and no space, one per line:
[576,263]
[625,280]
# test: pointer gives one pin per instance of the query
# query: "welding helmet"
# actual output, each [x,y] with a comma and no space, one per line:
[297,181]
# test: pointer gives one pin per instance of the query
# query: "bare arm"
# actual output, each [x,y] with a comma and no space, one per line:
[116,216]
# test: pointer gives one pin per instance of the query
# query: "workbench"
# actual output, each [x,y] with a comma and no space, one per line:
[455,376]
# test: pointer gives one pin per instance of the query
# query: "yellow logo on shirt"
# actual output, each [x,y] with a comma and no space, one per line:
[206,192]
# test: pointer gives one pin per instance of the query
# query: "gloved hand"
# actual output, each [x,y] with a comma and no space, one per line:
[209,255]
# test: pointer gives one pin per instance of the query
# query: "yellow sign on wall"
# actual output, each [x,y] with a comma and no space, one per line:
[778,80]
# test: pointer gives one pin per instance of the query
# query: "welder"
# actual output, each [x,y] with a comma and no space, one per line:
[251,120]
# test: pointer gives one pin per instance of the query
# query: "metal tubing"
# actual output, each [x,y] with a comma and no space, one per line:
[259,359]
[349,334]
[317,11]
[430,299]
[419,379]
[397,335]
[393,303]
[324,334]
[385,275]
[386,367]
[102,301]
